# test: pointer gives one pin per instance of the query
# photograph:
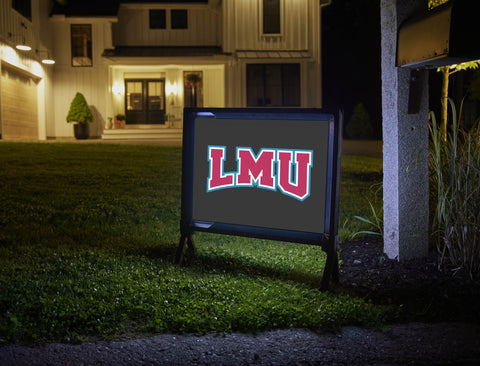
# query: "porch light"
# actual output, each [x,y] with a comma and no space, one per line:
[172,88]
[118,89]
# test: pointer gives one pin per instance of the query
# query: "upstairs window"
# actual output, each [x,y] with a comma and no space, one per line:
[179,19]
[24,7]
[81,39]
[158,19]
[271,17]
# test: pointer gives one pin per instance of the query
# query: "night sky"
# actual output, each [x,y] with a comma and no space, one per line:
[351,58]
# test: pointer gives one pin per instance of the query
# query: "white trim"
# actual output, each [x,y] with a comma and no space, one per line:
[159,6]
[83,20]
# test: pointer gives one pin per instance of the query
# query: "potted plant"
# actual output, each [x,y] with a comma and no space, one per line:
[80,115]
[120,121]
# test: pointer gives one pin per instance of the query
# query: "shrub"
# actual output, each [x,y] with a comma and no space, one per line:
[359,125]
[455,180]
[79,110]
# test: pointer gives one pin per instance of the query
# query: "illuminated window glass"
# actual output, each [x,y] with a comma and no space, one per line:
[81,39]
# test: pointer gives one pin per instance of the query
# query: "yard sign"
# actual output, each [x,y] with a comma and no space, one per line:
[264,173]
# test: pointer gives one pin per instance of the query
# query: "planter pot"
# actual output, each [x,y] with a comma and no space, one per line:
[81,131]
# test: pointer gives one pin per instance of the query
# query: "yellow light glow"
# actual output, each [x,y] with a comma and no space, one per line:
[118,88]
[23,47]
[11,56]
[37,69]
[172,88]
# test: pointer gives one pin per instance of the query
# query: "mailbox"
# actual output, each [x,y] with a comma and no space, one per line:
[446,35]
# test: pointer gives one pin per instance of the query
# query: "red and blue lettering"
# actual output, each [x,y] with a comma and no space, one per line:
[287,169]
[217,178]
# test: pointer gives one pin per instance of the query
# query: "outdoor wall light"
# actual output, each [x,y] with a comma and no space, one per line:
[118,89]
[46,60]
[172,89]
[19,45]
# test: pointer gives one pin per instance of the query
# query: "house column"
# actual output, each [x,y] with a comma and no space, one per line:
[405,145]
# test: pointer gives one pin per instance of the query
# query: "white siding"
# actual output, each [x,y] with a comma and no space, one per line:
[242,26]
[133,28]
[37,34]
[92,81]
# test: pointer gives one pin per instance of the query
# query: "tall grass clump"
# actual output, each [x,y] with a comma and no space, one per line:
[455,181]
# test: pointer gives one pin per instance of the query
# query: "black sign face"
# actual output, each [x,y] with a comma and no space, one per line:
[262,172]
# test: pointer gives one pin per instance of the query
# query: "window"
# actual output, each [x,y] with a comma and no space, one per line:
[273,85]
[192,89]
[24,7]
[81,45]
[158,19]
[179,19]
[271,17]
[145,101]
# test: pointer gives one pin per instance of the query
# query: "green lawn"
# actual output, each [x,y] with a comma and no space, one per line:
[88,234]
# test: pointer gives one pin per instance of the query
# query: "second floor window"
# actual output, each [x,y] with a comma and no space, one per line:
[179,19]
[271,17]
[81,38]
[158,19]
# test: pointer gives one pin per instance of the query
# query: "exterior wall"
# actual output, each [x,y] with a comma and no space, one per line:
[231,24]
[242,26]
[133,28]
[301,24]
[91,81]
[37,34]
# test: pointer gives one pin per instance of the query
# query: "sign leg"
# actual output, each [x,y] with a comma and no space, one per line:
[185,240]
[331,272]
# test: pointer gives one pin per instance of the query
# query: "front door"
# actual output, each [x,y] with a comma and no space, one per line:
[145,101]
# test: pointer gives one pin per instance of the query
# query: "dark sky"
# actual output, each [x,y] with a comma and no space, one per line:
[351,58]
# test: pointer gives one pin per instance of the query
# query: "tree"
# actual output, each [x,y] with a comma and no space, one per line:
[359,125]
[446,72]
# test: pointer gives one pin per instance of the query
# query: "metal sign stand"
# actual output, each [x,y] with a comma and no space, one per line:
[330,245]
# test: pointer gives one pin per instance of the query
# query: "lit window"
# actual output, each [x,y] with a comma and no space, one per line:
[158,19]
[179,19]
[81,45]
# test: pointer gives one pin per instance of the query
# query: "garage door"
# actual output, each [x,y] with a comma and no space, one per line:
[19,105]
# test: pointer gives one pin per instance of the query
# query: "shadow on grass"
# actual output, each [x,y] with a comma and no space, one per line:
[223,263]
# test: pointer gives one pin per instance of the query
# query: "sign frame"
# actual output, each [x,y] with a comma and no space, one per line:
[328,239]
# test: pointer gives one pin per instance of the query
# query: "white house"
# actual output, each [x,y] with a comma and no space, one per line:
[149,60]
